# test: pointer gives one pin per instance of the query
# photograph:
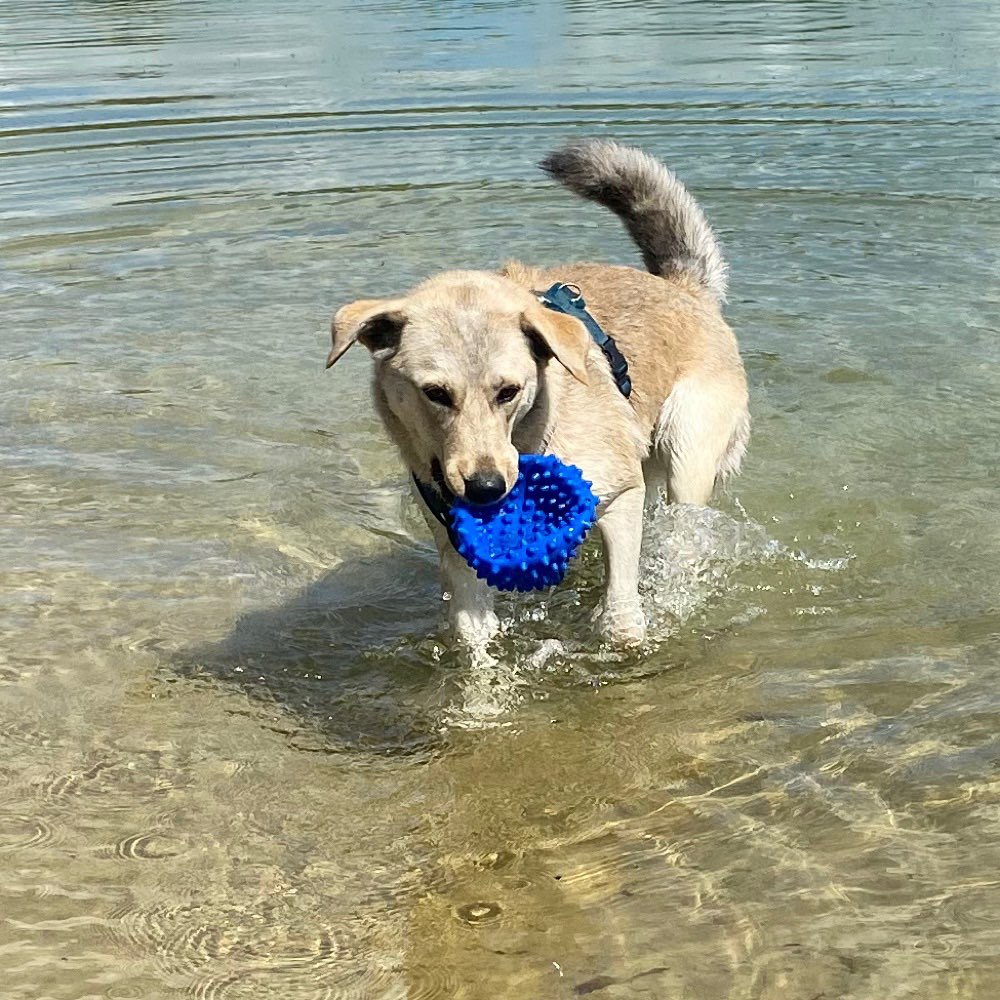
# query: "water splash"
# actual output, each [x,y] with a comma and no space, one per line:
[694,567]
[689,554]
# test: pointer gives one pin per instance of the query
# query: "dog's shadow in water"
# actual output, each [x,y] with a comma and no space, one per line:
[354,661]
[360,658]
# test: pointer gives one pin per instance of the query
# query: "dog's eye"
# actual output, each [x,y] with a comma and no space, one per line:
[438,395]
[507,393]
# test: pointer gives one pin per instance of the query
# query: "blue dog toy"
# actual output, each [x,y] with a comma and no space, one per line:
[526,541]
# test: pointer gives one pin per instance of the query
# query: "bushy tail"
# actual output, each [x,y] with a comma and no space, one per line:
[661,215]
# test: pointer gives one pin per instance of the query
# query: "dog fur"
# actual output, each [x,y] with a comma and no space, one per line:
[471,370]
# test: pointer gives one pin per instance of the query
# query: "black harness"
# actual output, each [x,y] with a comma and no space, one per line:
[438,500]
[559,298]
[568,299]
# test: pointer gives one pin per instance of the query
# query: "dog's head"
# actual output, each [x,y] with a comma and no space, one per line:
[459,362]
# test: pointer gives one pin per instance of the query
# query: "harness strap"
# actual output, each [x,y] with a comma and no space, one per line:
[568,299]
[438,500]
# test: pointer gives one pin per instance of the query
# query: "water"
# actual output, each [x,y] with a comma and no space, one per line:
[238,759]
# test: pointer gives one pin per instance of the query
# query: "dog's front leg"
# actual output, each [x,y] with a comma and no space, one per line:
[470,600]
[620,616]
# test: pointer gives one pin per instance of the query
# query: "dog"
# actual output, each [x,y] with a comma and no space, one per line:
[471,370]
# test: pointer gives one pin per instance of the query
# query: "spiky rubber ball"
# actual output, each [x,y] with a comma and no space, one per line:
[525,541]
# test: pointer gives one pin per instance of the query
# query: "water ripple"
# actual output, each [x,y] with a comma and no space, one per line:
[230,950]
[20,832]
[145,847]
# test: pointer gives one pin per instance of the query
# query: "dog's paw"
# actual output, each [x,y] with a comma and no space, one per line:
[621,624]
[474,628]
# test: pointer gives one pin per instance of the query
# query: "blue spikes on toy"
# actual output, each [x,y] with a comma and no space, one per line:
[525,541]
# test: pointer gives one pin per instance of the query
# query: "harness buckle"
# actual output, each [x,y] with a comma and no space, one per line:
[568,299]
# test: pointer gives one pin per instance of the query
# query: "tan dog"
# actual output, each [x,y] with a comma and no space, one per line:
[471,370]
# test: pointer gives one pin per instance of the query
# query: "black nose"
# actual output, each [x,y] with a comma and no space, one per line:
[485,487]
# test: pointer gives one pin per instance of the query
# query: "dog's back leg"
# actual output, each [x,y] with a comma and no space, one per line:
[700,437]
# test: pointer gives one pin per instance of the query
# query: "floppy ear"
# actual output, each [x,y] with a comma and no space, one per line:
[377,323]
[556,335]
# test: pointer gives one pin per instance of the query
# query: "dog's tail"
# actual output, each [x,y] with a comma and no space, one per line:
[660,214]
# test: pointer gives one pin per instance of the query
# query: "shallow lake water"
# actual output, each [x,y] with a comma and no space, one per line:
[238,757]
